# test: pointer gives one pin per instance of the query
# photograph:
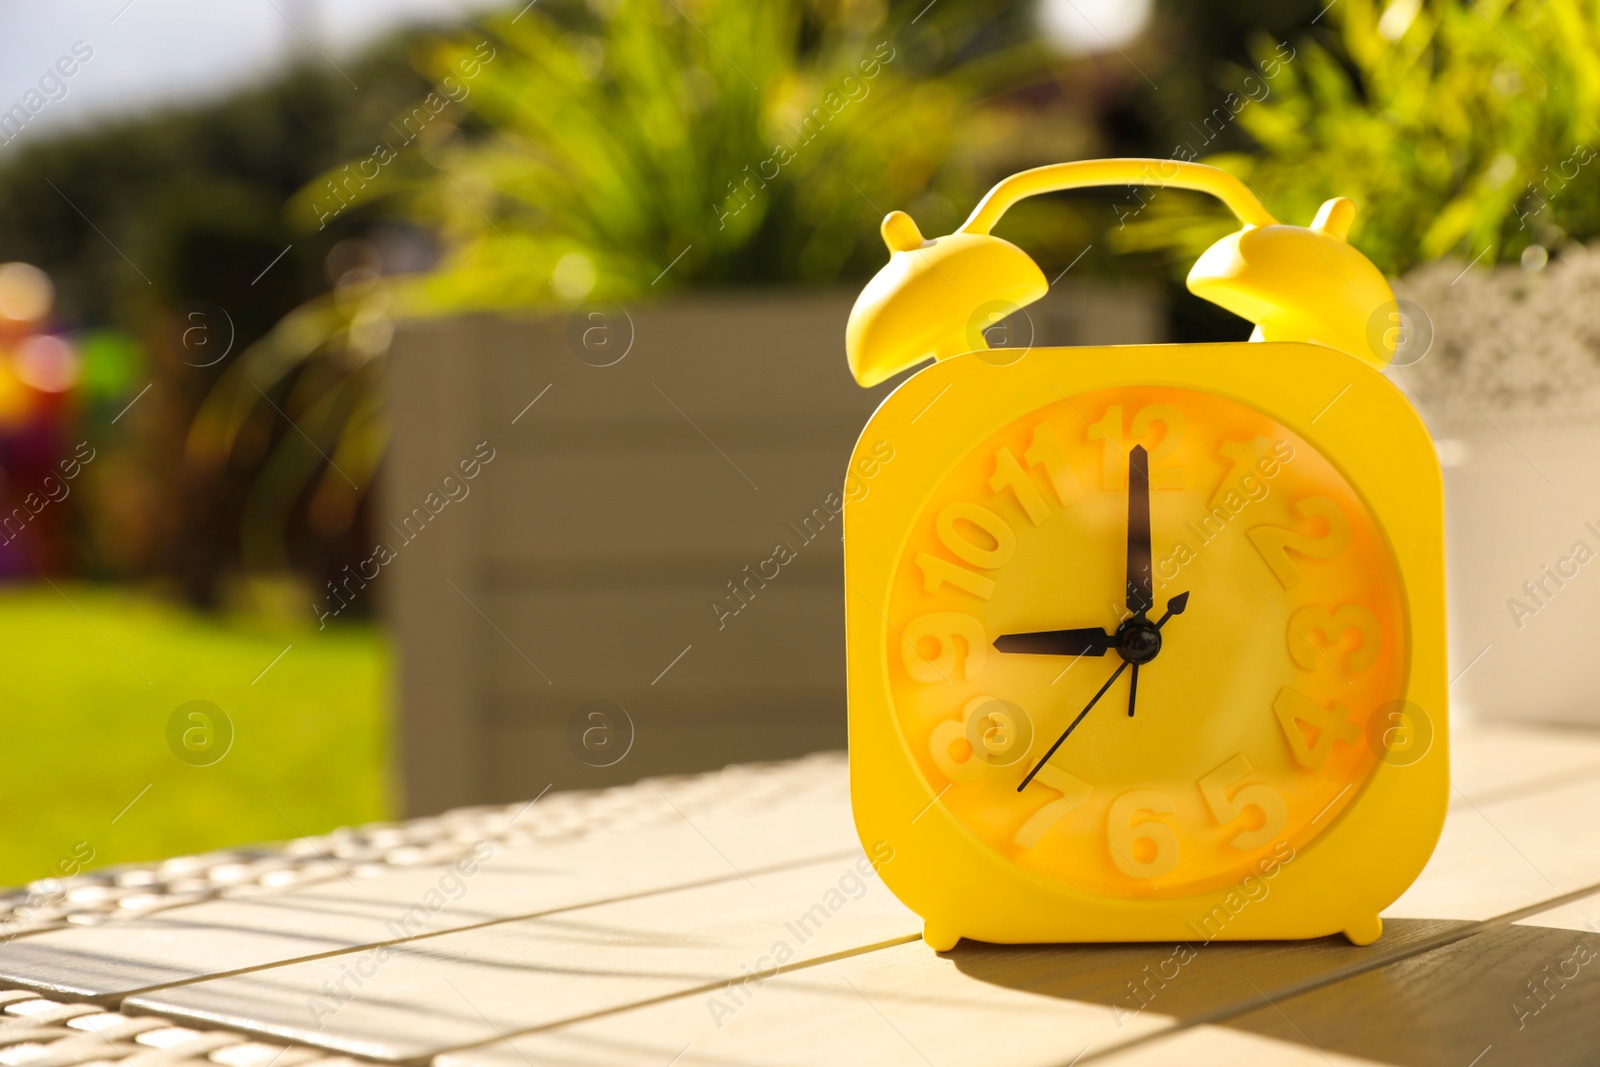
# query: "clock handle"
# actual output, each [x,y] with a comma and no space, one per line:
[1295,283]
[1089,173]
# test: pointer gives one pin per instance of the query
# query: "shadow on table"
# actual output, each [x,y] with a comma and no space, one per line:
[1426,993]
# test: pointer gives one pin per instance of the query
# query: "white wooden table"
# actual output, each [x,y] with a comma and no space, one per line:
[724,920]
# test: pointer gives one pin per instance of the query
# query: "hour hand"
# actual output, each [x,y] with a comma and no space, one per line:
[1089,641]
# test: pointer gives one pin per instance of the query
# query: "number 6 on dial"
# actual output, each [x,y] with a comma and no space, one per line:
[1124,834]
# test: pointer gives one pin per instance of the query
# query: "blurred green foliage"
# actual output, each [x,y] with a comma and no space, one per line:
[1459,127]
[620,150]
[88,733]
[760,142]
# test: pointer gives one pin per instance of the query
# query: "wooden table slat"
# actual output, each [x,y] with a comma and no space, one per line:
[471,986]
[1492,761]
[186,943]
[1220,1046]
[1503,856]
[1523,993]
[1001,1005]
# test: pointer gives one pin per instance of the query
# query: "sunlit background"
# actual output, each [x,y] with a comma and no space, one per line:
[216,219]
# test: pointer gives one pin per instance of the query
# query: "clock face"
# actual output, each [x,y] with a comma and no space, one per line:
[1205,571]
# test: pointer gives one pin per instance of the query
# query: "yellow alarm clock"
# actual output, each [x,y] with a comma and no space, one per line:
[1144,642]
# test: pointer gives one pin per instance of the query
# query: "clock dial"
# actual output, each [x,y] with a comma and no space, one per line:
[1026,604]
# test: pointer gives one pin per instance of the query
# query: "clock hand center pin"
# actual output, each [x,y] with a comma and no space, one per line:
[1175,606]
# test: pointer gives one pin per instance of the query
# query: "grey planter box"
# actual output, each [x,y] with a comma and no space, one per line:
[583,561]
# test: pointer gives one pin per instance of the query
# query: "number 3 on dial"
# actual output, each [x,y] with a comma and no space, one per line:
[1331,630]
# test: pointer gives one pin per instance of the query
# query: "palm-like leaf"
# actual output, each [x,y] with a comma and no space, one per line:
[1455,133]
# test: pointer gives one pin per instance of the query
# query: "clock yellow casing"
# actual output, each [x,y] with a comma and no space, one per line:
[1285,774]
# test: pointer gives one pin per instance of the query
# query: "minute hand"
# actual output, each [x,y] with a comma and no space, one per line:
[1141,593]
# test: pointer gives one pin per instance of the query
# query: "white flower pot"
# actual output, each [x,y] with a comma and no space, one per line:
[1522,504]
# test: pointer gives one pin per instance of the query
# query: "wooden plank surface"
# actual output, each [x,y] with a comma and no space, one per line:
[902,1005]
[1499,856]
[1489,761]
[186,943]
[1518,993]
[1582,914]
[1082,1000]
[428,996]
[1016,1005]
[1219,1046]
[638,949]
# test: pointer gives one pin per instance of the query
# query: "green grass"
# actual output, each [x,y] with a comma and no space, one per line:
[93,676]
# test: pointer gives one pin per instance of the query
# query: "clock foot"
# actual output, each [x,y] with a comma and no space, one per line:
[1364,931]
[939,937]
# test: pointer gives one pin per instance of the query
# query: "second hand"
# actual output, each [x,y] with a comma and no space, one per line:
[1068,731]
